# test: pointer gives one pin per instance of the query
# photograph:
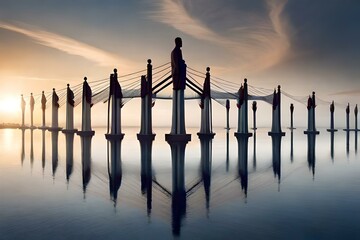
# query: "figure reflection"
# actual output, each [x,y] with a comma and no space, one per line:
[292,146]
[356,137]
[146,168]
[32,147]
[69,138]
[243,162]
[227,150]
[347,142]
[332,136]
[311,152]
[54,148]
[114,168]
[254,151]
[43,150]
[276,156]
[86,161]
[22,146]
[206,160]
[178,205]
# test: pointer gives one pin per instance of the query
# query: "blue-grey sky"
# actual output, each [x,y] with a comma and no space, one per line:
[302,45]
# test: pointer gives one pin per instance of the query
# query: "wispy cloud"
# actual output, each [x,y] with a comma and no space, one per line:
[347,93]
[68,45]
[259,45]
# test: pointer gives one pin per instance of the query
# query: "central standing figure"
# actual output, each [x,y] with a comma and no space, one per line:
[178,69]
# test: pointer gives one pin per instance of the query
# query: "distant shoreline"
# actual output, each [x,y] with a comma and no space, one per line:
[9,125]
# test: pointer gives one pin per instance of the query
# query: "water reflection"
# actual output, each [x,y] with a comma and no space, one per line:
[178,203]
[146,169]
[347,142]
[332,136]
[356,137]
[43,149]
[86,161]
[243,162]
[311,152]
[69,139]
[114,168]
[54,150]
[32,147]
[22,157]
[276,156]
[292,146]
[206,160]
[254,151]
[227,150]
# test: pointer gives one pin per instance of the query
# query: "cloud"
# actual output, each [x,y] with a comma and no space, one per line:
[259,43]
[68,45]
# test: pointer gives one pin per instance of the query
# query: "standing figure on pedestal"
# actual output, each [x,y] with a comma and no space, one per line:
[32,104]
[43,107]
[23,104]
[55,107]
[178,69]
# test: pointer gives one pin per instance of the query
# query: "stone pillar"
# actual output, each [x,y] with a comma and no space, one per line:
[347,118]
[43,108]
[23,105]
[356,114]
[311,105]
[32,105]
[332,110]
[254,108]
[206,111]
[292,116]
[86,130]
[276,119]
[55,112]
[276,156]
[243,161]
[227,114]
[115,136]
[242,128]
[69,112]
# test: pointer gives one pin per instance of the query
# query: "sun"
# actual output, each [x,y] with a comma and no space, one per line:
[9,105]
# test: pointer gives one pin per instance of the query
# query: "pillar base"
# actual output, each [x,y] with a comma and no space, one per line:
[177,137]
[114,137]
[241,135]
[85,133]
[275,134]
[54,129]
[23,127]
[145,137]
[43,128]
[69,131]
[291,128]
[253,128]
[331,130]
[205,136]
[311,132]
[351,130]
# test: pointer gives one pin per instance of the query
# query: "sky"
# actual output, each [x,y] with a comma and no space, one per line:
[302,45]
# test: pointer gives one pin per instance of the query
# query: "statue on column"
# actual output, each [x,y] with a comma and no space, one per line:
[23,104]
[178,69]
[32,104]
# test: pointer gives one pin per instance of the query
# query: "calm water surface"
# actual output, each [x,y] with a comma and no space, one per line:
[53,188]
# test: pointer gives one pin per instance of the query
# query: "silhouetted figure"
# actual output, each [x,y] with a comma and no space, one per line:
[347,110]
[43,107]
[55,110]
[177,66]
[32,104]
[227,113]
[332,110]
[70,95]
[356,114]
[292,116]
[23,104]
[254,108]
[178,69]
